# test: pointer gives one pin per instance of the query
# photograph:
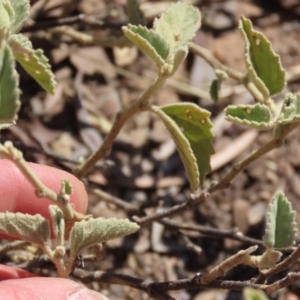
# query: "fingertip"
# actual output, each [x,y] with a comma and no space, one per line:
[18,195]
[8,272]
[47,289]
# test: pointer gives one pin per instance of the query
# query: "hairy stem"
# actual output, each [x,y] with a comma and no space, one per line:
[11,153]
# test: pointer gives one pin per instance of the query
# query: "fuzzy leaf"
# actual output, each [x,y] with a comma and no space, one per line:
[281,227]
[85,234]
[135,15]
[190,128]
[184,148]
[255,116]
[33,61]
[264,66]
[21,9]
[290,110]
[253,294]
[9,92]
[6,17]
[177,26]
[179,57]
[148,41]
[33,229]
[58,223]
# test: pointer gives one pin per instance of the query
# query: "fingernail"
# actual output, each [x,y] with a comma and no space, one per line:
[86,294]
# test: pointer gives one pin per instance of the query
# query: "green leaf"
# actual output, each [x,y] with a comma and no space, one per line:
[190,128]
[215,86]
[58,223]
[85,234]
[66,187]
[135,15]
[33,61]
[177,26]
[214,90]
[264,66]
[9,93]
[255,116]
[281,227]
[148,41]
[33,229]
[7,16]
[253,294]
[21,10]
[290,109]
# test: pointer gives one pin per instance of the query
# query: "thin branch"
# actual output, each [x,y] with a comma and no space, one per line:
[165,286]
[240,77]
[286,281]
[242,257]
[215,63]
[128,207]
[162,214]
[60,199]
[81,18]
[190,245]
[213,232]
[120,120]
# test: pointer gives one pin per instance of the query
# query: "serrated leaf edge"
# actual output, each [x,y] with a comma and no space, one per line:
[267,230]
[252,124]
[251,71]
[122,222]
[129,34]
[195,178]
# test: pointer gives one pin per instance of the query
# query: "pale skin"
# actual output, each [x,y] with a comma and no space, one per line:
[17,195]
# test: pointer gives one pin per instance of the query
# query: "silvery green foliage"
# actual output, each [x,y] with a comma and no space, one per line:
[167,43]
[256,116]
[33,229]
[58,224]
[263,64]
[85,234]
[14,46]
[280,230]
[281,226]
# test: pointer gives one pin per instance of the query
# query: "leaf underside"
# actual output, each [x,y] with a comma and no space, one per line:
[178,25]
[87,233]
[33,229]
